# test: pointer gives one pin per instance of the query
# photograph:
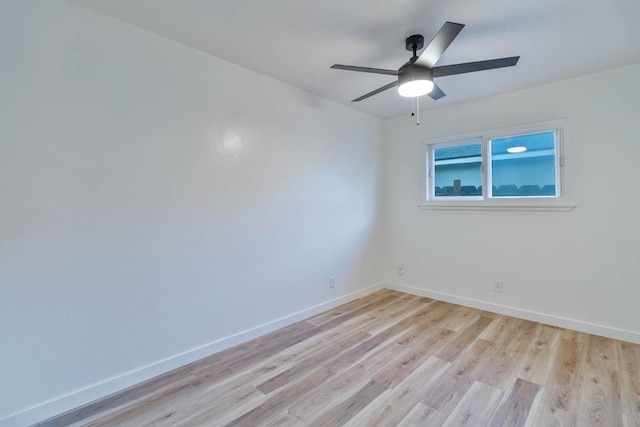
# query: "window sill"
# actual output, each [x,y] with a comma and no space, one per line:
[488,205]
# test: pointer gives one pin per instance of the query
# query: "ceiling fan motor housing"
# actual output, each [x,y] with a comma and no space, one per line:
[412,71]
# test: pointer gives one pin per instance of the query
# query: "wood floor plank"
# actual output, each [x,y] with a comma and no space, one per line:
[396,312]
[200,408]
[503,359]
[535,365]
[350,306]
[255,345]
[561,399]
[600,401]
[413,356]
[176,379]
[515,408]
[285,420]
[265,370]
[333,391]
[390,410]
[319,356]
[392,359]
[137,410]
[501,329]
[272,347]
[528,325]
[341,413]
[476,407]
[282,399]
[445,394]
[500,326]
[424,322]
[461,318]
[304,390]
[602,352]
[575,336]
[629,363]
[464,339]
[394,332]
[423,416]
[270,368]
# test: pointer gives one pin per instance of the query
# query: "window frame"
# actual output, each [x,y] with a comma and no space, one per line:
[559,202]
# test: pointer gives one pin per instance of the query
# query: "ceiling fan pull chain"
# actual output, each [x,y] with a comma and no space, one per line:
[415,109]
[413,106]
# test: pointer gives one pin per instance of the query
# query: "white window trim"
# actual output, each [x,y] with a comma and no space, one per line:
[544,204]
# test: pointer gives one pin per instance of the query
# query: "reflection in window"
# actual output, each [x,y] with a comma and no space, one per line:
[458,171]
[523,165]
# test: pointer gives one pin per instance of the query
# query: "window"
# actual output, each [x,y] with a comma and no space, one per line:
[524,165]
[457,169]
[505,168]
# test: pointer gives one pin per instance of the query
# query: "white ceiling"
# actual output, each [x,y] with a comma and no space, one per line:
[296,41]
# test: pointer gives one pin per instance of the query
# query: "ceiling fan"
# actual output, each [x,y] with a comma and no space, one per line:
[415,77]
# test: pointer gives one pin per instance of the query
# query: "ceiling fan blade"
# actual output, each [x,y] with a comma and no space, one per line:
[469,67]
[364,69]
[439,44]
[436,93]
[377,91]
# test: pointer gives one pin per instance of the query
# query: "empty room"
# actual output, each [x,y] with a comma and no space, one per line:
[297,213]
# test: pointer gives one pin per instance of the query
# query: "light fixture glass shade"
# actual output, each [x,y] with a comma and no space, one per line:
[415,88]
[519,149]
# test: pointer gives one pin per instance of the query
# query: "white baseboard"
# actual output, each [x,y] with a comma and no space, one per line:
[563,322]
[93,392]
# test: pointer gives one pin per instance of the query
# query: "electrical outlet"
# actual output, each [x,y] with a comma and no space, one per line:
[400,269]
[332,282]
[498,286]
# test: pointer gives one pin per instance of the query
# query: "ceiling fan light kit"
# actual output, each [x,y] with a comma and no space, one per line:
[414,80]
[415,77]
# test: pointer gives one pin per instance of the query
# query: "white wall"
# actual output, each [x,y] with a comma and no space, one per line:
[155,199]
[578,268]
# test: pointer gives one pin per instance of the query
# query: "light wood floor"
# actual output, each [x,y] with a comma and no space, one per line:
[393,359]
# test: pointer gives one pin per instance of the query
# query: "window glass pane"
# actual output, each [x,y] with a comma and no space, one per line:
[457,171]
[524,165]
